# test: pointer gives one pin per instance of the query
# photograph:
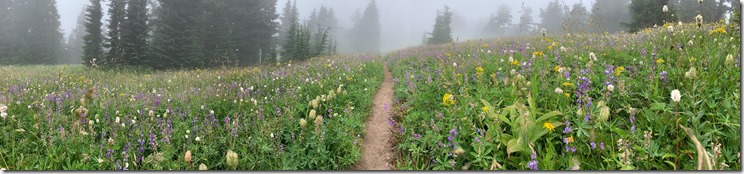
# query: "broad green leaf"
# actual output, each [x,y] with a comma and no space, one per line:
[513,146]
[548,115]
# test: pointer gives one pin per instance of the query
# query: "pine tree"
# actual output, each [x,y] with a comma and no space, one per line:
[117,14]
[134,34]
[176,40]
[608,16]
[647,13]
[215,31]
[577,19]
[525,21]
[252,28]
[291,40]
[442,32]
[75,42]
[712,10]
[288,14]
[42,39]
[552,17]
[367,30]
[93,39]
[6,25]
[499,25]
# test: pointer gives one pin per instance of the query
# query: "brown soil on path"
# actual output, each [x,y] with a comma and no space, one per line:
[377,153]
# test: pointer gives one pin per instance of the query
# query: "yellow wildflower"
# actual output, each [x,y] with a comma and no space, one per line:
[515,62]
[485,45]
[568,84]
[570,139]
[538,53]
[567,94]
[485,108]
[479,70]
[556,68]
[692,59]
[719,30]
[619,70]
[459,75]
[659,61]
[448,99]
[549,126]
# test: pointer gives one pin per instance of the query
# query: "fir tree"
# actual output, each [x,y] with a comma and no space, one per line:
[93,38]
[134,34]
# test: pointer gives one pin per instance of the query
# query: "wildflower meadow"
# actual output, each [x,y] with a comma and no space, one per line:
[664,98]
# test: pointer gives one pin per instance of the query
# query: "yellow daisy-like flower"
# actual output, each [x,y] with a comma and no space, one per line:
[692,59]
[570,139]
[459,75]
[515,62]
[549,126]
[485,45]
[485,109]
[567,94]
[538,53]
[556,68]
[619,70]
[659,61]
[479,70]
[720,30]
[568,84]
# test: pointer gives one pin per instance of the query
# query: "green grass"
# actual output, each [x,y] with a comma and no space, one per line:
[256,113]
[515,96]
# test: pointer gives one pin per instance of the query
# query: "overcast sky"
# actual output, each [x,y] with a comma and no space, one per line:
[403,21]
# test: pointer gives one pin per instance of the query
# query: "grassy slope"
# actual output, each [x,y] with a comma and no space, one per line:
[709,104]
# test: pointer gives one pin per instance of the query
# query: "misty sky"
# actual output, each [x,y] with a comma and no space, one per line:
[403,21]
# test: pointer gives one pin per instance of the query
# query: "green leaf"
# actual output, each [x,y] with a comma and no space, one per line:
[658,106]
[671,164]
[513,146]
[548,115]
[704,162]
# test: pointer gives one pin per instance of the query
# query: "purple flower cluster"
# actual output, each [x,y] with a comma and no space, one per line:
[533,164]
[663,77]
[582,93]
[568,128]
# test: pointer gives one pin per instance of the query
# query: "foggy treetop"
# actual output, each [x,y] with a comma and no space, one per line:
[403,22]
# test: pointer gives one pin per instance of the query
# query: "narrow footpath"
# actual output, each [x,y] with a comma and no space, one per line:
[377,153]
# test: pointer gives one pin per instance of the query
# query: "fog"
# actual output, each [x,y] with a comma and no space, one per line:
[403,22]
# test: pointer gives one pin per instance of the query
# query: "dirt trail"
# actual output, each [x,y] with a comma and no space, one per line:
[377,153]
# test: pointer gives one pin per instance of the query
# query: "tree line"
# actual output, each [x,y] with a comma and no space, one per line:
[608,16]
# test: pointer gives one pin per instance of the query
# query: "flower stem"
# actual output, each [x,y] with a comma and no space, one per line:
[676,132]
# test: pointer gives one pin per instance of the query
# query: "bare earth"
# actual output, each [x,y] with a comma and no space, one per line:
[377,152]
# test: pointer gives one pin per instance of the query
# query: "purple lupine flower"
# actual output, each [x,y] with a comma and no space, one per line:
[533,164]
[568,128]
[227,120]
[391,121]
[593,145]
[108,153]
[663,77]
[416,136]
[453,131]
[601,145]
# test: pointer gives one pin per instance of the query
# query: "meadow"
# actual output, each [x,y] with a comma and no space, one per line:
[283,117]
[664,98]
